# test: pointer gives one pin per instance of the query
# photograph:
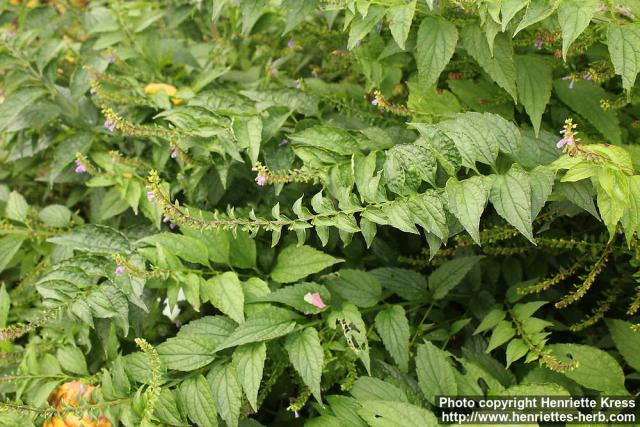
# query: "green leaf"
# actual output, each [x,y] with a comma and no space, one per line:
[249,359]
[450,274]
[406,166]
[584,98]
[511,197]
[596,370]
[97,239]
[346,409]
[408,284]
[9,246]
[493,317]
[17,207]
[55,215]
[498,65]
[357,287]
[537,10]
[307,357]
[396,414]
[362,25]
[72,360]
[293,296]
[15,104]
[574,17]
[227,392]
[534,81]
[295,263]
[188,248]
[393,327]
[208,330]
[198,401]
[627,341]
[166,409]
[225,293]
[185,353]
[541,179]
[579,193]
[437,39]
[248,133]
[611,210]
[631,216]
[502,333]
[509,9]
[624,49]
[516,349]
[399,18]
[256,330]
[5,305]
[371,388]
[467,200]
[298,10]
[435,374]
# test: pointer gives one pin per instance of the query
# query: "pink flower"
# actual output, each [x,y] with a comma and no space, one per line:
[291,44]
[80,168]
[174,153]
[261,180]
[151,196]
[110,125]
[315,300]
[564,141]
[375,101]
[119,270]
[538,44]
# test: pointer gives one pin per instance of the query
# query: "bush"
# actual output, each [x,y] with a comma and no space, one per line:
[319,212]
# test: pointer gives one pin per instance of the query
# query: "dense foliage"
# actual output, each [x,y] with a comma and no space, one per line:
[279,212]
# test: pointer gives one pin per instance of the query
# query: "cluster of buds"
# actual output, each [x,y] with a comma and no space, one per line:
[378,100]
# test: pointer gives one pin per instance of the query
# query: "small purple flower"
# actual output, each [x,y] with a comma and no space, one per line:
[565,141]
[296,414]
[93,91]
[284,142]
[538,44]
[178,324]
[166,219]
[261,180]
[119,269]
[111,58]
[110,125]
[174,153]
[587,76]
[291,44]
[151,196]
[80,168]
[172,225]
[375,101]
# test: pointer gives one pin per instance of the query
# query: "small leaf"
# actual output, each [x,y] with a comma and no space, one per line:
[72,360]
[391,414]
[295,263]
[185,353]
[94,239]
[17,207]
[256,330]
[502,333]
[363,25]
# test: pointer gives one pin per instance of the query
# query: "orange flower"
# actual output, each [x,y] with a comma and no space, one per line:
[69,394]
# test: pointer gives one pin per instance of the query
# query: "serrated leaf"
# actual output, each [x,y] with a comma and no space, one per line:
[293,296]
[371,388]
[534,81]
[295,263]
[72,360]
[357,287]
[498,65]
[256,330]
[406,166]
[495,316]
[399,18]
[9,246]
[624,49]
[435,374]
[395,414]
[362,25]
[307,357]
[408,284]
[502,333]
[508,10]
[574,17]
[467,200]
[17,207]
[516,349]
[249,359]
[511,197]
[94,239]
[185,353]
[225,293]
[541,179]
[627,341]
[188,248]
[537,10]
[393,327]
[55,215]
[227,392]
[437,39]
[198,401]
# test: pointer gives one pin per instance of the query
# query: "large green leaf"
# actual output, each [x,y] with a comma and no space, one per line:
[256,330]
[511,197]
[399,18]
[533,79]
[188,248]
[357,287]
[467,200]
[396,414]
[450,274]
[249,359]
[627,341]
[94,239]
[624,48]
[227,392]
[295,263]
[574,17]
[393,327]
[435,374]
[198,401]
[225,293]
[437,39]
[185,353]
[307,357]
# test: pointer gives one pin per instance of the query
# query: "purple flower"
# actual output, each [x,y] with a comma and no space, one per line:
[119,269]
[375,101]
[587,76]
[178,324]
[261,180]
[110,125]
[174,153]
[291,44]
[80,168]
[111,58]
[172,225]
[565,141]
[284,142]
[93,91]
[538,43]
[166,219]
[151,196]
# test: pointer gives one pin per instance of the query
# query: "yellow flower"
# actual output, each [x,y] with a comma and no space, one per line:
[156,87]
